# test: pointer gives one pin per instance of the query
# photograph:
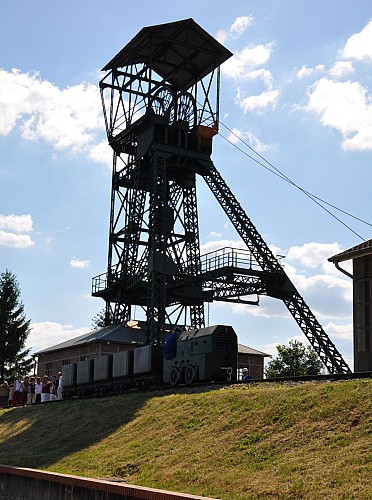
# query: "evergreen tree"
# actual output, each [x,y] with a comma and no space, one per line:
[99,320]
[14,329]
[293,361]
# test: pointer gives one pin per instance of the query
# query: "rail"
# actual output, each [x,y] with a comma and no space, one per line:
[227,257]
[222,258]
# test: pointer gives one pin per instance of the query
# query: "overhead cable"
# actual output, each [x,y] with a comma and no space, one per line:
[274,170]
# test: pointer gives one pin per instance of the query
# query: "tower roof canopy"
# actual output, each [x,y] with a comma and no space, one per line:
[181,52]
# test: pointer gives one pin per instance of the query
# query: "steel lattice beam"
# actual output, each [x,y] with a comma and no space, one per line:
[306,320]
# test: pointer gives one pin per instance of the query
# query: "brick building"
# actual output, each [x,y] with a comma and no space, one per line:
[99,342]
[253,360]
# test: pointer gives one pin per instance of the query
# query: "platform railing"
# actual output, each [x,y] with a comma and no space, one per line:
[227,257]
[222,258]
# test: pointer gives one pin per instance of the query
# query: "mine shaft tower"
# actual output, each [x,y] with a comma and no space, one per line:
[160,100]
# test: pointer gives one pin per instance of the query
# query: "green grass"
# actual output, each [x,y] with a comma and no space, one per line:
[257,441]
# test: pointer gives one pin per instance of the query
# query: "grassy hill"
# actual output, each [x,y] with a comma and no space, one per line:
[310,441]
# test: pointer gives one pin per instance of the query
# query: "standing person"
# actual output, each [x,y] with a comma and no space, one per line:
[38,389]
[59,386]
[11,393]
[170,347]
[26,389]
[45,390]
[4,394]
[17,394]
[31,395]
[52,389]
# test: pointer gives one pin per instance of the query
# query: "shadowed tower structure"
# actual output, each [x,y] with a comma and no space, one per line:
[160,99]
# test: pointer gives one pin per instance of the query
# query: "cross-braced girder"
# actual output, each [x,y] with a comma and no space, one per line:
[310,326]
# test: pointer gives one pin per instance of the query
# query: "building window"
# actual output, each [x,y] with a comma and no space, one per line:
[65,362]
[48,369]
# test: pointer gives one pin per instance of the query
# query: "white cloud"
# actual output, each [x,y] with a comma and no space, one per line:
[15,240]
[257,102]
[343,331]
[328,296]
[313,254]
[240,24]
[241,63]
[15,226]
[48,333]
[79,264]
[17,223]
[252,140]
[67,118]
[101,153]
[304,71]
[341,68]
[359,45]
[316,255]
[345,106]
[211,246]
[261,74]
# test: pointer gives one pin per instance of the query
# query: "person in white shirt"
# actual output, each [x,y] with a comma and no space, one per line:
[18,391]
[38,389]
[59,386]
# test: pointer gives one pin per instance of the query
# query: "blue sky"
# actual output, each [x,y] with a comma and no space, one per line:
[298,90]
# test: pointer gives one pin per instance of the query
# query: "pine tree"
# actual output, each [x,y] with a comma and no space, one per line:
[99,320]
[14,328]
[293,361]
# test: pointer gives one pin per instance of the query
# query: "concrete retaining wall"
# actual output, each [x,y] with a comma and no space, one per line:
[31,484]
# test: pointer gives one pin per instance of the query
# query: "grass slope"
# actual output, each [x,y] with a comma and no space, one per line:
[257,441]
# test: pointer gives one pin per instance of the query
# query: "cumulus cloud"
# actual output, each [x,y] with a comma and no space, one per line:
[245,65]
[359,45]
[257,102]
[79,264]
[312,254]
[242,63]
[17,223]
[341,68]
[346,107]
[340,331]
[101,153]
[66,119]
[13,229]
[304,71]
[48,333]
[213,245]
[236,135]
[240,24]
[15,240]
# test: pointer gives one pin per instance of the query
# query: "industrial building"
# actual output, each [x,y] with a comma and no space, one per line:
[361,255]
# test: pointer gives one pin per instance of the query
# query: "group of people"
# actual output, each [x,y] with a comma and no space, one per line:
[31,390]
